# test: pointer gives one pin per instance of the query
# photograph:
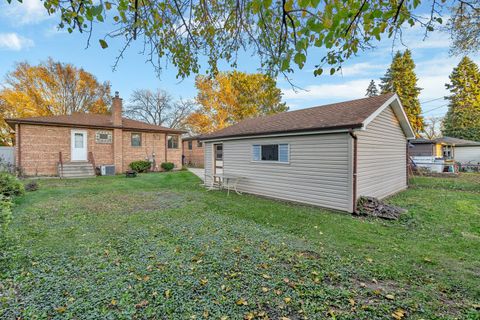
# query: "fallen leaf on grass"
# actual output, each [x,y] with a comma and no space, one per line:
[241,302]
[351,301]
[249,316]
[113,302]
[141,304]
[390,296]
[203,281]
[266,276]
[60,309]
[398,314]
[167,293]
[287,299]
[265,289]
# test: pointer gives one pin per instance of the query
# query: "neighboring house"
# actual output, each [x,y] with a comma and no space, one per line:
[434,155]
[74,144]
[435,149]
[445,148]
[326,156]
[465,151]
[192,152]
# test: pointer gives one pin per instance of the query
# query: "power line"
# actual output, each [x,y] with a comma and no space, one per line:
[443,105]
[441,98]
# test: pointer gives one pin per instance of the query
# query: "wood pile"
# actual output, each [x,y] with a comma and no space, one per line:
[373,207]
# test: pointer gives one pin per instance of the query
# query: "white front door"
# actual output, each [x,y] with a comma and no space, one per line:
[79,145]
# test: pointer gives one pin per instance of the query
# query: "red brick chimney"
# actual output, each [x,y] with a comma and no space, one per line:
[117,110]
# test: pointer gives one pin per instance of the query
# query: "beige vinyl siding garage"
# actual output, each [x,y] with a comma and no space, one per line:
[318,172]
[208,160]
[381,157]
[466,154]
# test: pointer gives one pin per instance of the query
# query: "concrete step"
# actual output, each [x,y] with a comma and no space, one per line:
[76,170]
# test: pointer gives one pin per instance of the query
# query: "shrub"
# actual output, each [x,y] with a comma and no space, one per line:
[167,166]
[140,165]
[10,185]
[5,213]
[31,186]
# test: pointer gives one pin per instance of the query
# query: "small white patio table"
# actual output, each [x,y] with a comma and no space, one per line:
[228,181]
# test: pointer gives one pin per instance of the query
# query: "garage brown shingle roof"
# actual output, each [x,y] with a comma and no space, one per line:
[343,115]
[89,120]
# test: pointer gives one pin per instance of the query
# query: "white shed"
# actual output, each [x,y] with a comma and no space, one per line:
[326,156]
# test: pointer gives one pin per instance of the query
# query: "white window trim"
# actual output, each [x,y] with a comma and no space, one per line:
[270,161]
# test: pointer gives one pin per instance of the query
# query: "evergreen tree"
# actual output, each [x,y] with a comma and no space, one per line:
[463,116]
[401,79]
[372,90]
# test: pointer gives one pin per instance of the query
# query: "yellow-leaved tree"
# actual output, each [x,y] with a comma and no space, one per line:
[50,88]
[230,97]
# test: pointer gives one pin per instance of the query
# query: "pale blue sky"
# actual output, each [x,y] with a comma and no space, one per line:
[28,34]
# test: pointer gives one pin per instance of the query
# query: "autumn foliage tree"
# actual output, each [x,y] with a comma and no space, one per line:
[233,96]
[50,88]
[463,117]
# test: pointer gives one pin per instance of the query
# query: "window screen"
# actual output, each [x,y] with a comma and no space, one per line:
[172,142]
[190,146]
[270,152]
[136,139]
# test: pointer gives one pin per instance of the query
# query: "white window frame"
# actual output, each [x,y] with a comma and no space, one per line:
[271,161]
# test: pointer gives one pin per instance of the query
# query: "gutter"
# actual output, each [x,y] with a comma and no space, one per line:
[337,129]
[354,173]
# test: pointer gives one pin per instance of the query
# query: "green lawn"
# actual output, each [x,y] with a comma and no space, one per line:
[159,246]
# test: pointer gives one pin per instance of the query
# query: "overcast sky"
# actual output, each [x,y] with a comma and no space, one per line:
[27,33]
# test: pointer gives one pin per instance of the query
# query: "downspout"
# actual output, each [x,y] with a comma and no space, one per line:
[354,173]
[19,148]
[166,146]
[407,161]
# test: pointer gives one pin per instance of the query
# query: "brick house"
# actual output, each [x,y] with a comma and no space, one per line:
[192,152]
[50,145]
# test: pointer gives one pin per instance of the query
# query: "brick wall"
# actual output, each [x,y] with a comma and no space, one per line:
[151,143]
[40,146]
[193,157]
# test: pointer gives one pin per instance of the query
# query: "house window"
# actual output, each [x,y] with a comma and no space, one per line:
[199,144]
[190,146]
[447,152]
[271,152]
[103,137]
[136,139]
[219,152]
[172,142]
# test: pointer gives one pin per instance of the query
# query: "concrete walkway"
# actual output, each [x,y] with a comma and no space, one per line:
[199,172]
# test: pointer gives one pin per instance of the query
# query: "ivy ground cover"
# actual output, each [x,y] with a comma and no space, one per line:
[161,247]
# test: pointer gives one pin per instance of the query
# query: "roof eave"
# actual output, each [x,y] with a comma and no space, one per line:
[323,130]
[13,122]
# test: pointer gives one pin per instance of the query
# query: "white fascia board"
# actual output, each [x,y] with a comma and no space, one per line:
[286,134]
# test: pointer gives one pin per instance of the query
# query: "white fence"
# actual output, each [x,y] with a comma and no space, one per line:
[7,158]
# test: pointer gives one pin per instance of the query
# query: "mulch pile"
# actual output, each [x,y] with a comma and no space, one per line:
[372,207]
